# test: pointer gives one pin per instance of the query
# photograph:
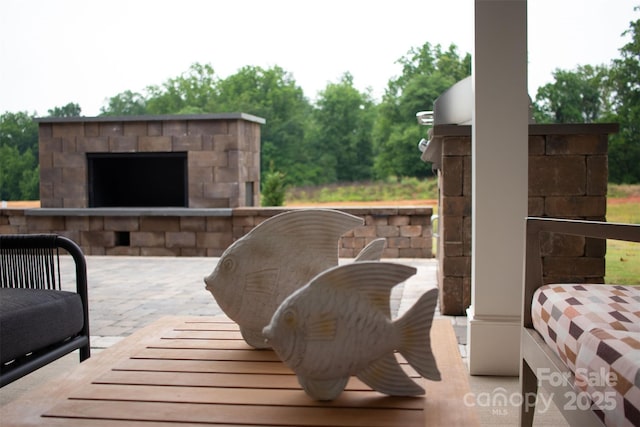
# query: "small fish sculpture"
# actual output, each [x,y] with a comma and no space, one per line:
[258,271]
[339,325]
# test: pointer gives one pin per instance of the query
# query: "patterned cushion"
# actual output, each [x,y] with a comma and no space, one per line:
[608,369]
[595,330]
[562,313]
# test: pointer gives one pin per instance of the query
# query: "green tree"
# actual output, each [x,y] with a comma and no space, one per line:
[624,147]
[19,173]
[127,103]
[580,96]
[341,137]
[274,188]
[601,94]
[268,93]
[20,131]
[426,73]
[69,110]
[192,92]
[273,95]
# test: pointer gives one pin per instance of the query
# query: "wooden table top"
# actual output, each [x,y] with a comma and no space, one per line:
[188,371]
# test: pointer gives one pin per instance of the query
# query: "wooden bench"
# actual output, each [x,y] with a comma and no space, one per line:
[186,370]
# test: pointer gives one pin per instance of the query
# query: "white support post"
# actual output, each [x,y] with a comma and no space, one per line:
[499,185]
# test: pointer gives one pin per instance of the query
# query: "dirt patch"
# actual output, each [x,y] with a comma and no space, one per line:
[625,200]
[25,204]
[420,202]
[36,204]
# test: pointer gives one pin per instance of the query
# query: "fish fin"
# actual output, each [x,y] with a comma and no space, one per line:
[387,376]
[254,338]
[323,389]
[373,251]
[371,279]
[262,281]
[415,335]
[321,327]
[320,230]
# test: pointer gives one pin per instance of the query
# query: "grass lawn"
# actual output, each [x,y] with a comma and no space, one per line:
[623,263]
[623,258]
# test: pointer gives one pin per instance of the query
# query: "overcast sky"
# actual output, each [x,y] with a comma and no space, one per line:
[53,52]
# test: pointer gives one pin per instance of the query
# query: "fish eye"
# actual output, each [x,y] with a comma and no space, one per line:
[229,264]
[289,318]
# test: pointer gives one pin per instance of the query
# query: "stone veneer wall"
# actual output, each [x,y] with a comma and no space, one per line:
[568,175]
[208,232]
[223,154]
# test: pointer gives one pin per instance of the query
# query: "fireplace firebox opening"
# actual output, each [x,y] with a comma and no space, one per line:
[137,179]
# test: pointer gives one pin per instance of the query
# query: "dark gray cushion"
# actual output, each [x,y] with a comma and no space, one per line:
[31,319]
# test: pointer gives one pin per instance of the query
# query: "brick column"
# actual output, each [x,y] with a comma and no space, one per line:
[567,179]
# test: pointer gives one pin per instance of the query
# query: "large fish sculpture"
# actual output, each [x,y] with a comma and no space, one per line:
[258,271]
[339,325]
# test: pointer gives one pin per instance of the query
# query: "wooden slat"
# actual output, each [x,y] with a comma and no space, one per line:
[81,422]
[238,396]
[220,325]
[214,366]
[242,414]
[226,344]
[231,366]
[202,335]
[206,354]
[207,326]
[200,379]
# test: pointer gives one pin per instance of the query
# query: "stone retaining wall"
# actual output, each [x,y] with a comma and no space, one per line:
[208,232]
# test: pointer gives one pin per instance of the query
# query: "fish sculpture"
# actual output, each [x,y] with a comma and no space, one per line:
[258,271]
[373,251]
[339,325]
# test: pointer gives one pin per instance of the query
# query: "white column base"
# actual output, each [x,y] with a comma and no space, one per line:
[493,345]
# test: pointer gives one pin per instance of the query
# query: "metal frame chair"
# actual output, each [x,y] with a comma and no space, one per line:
[33,261]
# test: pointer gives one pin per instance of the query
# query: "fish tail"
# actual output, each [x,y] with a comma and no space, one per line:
[415,338]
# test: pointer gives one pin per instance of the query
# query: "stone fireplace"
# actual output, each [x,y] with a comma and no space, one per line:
[193,161]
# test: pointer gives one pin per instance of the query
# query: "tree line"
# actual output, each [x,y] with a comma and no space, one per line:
[345,135]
